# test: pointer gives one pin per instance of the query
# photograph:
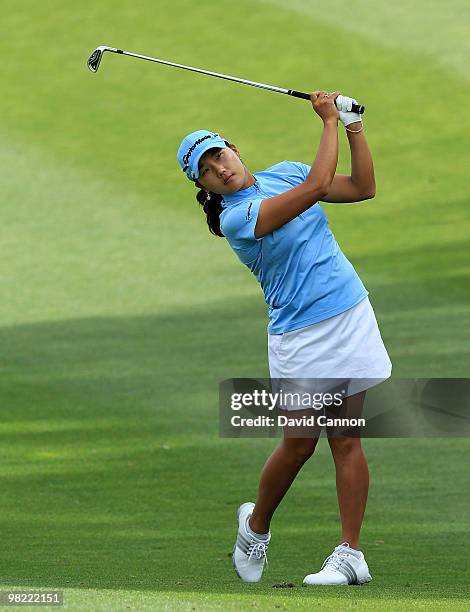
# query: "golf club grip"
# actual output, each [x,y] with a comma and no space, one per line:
[356,108]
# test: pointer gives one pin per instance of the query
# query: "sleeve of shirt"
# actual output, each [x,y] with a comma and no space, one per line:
[238,226]
[300,170]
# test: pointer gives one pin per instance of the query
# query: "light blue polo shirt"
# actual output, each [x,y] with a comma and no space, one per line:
[304,275]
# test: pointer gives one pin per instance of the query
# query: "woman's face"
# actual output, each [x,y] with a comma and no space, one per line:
[222,171]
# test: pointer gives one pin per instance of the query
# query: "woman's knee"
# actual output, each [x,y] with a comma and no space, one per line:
[299,449]
[343,447]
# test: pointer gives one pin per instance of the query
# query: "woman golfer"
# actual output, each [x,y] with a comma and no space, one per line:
[321,323]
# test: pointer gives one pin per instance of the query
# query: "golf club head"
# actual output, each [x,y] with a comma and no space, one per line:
[95,58]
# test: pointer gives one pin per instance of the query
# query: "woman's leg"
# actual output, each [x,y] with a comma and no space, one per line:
[277,476]
[352,476]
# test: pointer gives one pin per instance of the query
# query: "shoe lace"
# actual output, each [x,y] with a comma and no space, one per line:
[257,550]
[335,559]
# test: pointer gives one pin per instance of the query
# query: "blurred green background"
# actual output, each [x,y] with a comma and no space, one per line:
[120,313]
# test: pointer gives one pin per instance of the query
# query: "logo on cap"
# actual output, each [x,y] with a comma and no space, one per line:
[191,150]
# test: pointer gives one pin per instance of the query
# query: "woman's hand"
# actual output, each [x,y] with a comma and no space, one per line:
[324,105]
[346,115]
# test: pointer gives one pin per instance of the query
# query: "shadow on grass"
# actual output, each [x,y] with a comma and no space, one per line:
[112,475]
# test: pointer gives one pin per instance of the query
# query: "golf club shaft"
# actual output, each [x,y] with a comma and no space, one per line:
[357,108]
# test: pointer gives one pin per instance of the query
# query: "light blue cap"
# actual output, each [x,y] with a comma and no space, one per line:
[192,148]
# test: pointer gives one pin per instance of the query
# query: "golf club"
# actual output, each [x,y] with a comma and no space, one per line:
[95,59]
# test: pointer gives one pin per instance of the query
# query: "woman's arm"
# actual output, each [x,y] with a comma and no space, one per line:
[361,184]
[276,211]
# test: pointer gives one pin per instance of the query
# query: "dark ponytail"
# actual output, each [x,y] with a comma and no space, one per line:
[212,206]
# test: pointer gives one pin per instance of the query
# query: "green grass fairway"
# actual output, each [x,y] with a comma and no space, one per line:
[120,314]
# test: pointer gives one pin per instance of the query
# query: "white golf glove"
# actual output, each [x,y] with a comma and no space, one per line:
[344,105]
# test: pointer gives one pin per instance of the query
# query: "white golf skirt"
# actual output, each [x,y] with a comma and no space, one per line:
[347,347]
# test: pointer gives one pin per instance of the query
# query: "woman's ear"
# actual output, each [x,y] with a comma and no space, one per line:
[234,149]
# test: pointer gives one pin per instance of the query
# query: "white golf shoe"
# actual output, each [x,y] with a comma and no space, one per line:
[249,553]
[341,567]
